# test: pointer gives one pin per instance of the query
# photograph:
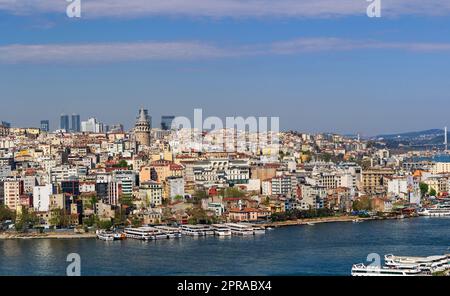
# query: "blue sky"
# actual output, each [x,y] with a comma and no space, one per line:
[321,66]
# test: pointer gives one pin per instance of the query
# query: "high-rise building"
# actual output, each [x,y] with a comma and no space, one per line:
[76,123]
[4,131]
[64,122]
[13,189]
[166,122]
[142,128]
[116,128]
[45,125]
[92,126]
[6,124]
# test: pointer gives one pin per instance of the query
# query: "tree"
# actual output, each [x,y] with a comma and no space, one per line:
[326,157]
[6,214]
[93,201]
[90,202]
[424,188]
[126,200]
[198,196]
[362,204]
[433,192]
[198,216]
[25,220]
[136,222]
[90,221]
[104,224]
[122,164]
[178,197]
[233,192]
[120,216]
[59,218]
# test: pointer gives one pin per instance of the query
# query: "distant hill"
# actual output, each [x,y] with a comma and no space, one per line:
[427,134]
[427,138]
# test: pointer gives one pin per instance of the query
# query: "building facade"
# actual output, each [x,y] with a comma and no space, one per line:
[142,128]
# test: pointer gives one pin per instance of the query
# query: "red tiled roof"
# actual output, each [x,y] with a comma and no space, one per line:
[245,210]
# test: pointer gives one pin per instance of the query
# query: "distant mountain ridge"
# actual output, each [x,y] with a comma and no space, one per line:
[413,135]
[426,138]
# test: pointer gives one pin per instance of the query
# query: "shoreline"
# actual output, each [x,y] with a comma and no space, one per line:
[341,219]
[299,222]
[11,236]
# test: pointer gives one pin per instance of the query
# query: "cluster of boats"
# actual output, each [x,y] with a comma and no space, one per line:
[168,232]
[109,235]
[404,266]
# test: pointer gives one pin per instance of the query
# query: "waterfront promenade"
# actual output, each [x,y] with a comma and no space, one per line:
[49,235]
[315,221]
[74,235]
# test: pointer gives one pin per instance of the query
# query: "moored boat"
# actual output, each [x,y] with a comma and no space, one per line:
[363,270]
[436,211]
[109,236]
[221,230]
[240,229]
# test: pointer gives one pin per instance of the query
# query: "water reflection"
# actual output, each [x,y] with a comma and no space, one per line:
[320,250]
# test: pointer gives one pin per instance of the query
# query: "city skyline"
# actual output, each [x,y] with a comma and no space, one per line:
[54,124]
[320,68]
[218,140]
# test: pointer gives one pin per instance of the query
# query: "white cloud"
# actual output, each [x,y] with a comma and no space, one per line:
[148,51]
[303,45]
[113,52]
[229,8]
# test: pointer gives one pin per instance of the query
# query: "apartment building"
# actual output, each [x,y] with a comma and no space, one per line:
[13,189]
[374,181]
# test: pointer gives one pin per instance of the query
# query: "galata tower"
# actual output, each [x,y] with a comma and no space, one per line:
[142,128]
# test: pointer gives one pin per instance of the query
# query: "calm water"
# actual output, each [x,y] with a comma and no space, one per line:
[325,249]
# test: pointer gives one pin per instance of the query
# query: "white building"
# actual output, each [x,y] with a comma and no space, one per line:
[220,171]
[41,197]
[151,193]
[314,196]
[398,187]
[175,187]
[92,126]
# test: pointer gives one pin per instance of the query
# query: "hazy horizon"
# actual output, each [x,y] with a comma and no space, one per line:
[325,67]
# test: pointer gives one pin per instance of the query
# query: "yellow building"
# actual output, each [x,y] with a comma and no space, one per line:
[373,180]
[160,170]
[441,168]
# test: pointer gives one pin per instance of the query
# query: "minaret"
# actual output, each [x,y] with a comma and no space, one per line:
[142,128]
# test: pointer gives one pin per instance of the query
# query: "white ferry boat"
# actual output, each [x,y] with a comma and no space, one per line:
[208,230]
[363,270]
[436,211]
[425,264]
[193,230]
[101,235]
[109,236]
[171,232]
[145,233]
[259,230]
[240,229]
[221,230]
